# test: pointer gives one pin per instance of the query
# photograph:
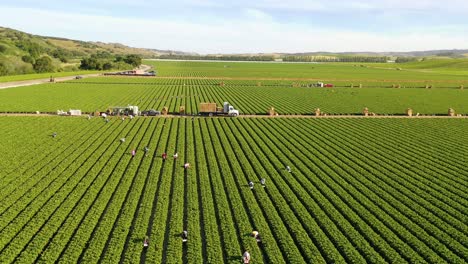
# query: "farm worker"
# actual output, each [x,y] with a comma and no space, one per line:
[262,181]
[185,234]
[176,155]
[123,118]
[54,134]
[255,233]
[146,242]
[122,140]
[257,237]
[107,120]
[164,156]
[131,117]
[89,117]
[288,168]
[146,150]
[251,185]
[186,165]
[246,257]
[133,153]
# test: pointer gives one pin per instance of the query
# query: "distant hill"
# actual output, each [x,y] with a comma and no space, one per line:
[455,53]
[19,50]
[429,53]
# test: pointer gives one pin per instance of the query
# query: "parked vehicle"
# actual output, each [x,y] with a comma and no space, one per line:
[211,109]
[151,112]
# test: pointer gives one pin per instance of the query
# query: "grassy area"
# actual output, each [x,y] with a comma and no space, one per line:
[442,67]
[35,76]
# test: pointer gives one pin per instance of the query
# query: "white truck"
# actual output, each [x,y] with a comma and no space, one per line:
[211,109]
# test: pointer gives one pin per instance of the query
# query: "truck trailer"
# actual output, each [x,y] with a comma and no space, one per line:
[211,109]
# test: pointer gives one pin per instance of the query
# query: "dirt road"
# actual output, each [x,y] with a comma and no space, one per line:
[6,85]
[41,81]
[257,116]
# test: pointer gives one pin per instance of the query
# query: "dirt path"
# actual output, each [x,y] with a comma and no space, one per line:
[355,81]
[254,116]
[6,85]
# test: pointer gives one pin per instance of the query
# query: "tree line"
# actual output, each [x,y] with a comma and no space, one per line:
[217,58]
[370,59]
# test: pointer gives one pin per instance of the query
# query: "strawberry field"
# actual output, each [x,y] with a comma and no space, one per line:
[360,190]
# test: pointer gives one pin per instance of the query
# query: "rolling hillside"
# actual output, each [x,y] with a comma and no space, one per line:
[19,51]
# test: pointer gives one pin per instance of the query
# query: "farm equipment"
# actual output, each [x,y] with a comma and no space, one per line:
[211,109]
[71,112]
[151,112]
[132,73]
[321,84]
[123,110]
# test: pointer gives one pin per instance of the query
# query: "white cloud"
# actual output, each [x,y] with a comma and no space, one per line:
[228,35]
[336,6]
[257,14]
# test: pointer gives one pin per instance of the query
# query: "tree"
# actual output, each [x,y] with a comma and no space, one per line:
[3,48]
[3,69]
[133,60]
[44,64]
[28,59]
[91,64]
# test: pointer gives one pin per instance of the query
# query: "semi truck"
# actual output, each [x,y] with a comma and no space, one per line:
[211,109]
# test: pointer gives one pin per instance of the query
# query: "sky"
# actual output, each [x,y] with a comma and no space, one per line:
[249,26]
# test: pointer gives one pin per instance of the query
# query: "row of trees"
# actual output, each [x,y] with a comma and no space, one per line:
[405,59]
[372,59]
[106,61]
[218,58]
[289,58]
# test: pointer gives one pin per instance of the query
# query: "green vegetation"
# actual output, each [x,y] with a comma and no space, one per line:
[22,53]
[336,58]
[106,61]
[324,71]
[92,94]
[360,190]
[218,58]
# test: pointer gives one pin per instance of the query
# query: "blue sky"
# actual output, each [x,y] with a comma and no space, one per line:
[242,26]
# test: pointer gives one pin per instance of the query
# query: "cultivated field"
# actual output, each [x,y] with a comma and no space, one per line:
[425,71]
[93,94]
[361,190]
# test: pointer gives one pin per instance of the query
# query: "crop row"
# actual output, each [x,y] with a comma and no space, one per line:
[352,196]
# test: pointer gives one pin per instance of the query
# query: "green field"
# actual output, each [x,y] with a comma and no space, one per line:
[93,94]
[361,190]
[396,195]
[332,71]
